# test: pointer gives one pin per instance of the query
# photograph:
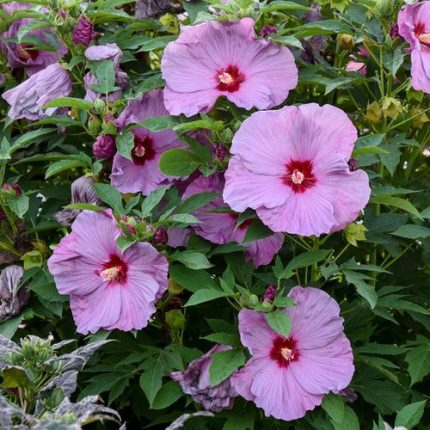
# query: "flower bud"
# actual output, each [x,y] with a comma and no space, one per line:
[160,236]
[346,41]
[83,33]
[99,106]
[354,233]
[104,147]
[94,126]
[221,152]
[253,300]
[174,287]
[175,319]
[391,107]
[374,112]
[267,30]
[12,299]
[270,293]
[12,188]
[394,31]
[353,164]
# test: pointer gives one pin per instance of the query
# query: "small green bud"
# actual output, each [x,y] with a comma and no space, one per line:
[99,106]
[94,125]
[175,319]
[253,300]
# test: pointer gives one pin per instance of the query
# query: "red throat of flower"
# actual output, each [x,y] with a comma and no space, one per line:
[421,34]
[229,79]
[143,150]
[26,52]
[299,176]
[114,271]
[284,351]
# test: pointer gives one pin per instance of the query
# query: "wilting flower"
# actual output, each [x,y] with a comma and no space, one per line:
[27,99]
[414,27]
[108,289]
[216,59]
[196,382]
[83,33]
[221,227]
[299,181]
[141,174]
[27,55]
[12,299]
[83,191]
[13,188]
[104,147]
[111,52]
[288,376]
[270,293]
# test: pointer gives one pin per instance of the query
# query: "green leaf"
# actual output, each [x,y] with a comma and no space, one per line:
[84,207]
[111,196]
[152,200]
[256,231]
[335,407]
[156,43]
[224,363]
[350,420]
[393,60]
[16,377]
[304,260]
[184,219]
[289,41]
[124,144]
[178,162]
[369,150]
[398,203]
[156,123]
[169,393]
[124,242]
[411,231]
[192,260]
[18,204]
[61,166]
[69,102]
[151,83]
[191,280]
[196,201]
[328,26]
[152,377]
[410,415]
[282,5]
[280,322]
[363,289]
[205,295]
[224,338]
[418,360]
[31,137]
[105,74]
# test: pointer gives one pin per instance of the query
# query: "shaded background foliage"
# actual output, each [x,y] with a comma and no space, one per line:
[377,268]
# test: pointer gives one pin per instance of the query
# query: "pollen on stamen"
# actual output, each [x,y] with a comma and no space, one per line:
[109,275]
[297,177]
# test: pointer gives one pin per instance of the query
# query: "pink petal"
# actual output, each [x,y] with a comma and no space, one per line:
[245,189]
[325,369]
[255,333]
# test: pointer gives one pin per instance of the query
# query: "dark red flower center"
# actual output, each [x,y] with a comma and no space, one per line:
[26,52]
[229,79]
[421,34]
[284,351]
[299,176]
[143,150]
[114,271]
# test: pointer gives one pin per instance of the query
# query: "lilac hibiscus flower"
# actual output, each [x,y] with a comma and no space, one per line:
[299,180]
[141,174]
[27,99]
[414,27]
[221,227]
[216,59]
[195,381]
[108,289]
[287,377]
[28,55]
